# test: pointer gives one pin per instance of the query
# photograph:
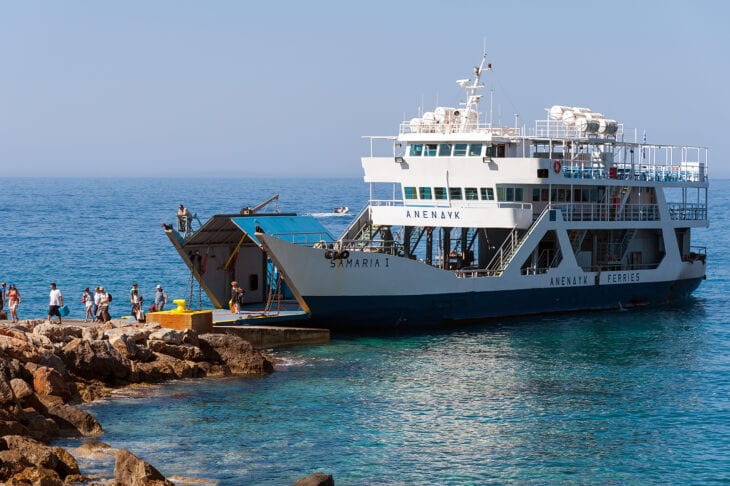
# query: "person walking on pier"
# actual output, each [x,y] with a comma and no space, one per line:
[134,296]
[88,300]
[13,297]
[237,294]
[160,299]
[102,311]
[97,300]
[55,303]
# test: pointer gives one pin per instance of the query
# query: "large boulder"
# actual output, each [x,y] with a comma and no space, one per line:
[41,428]
[169,336]
[27,461]
[34,452]
[7,395]
[40,476]
[54,332]
[21,388]
[74,419]
[50,358]
[67,464]
[164,368]
[94,449]
[16,345]
[47,381]
[236,353]
[12,427]
[316,479]
[95,360]
[130,470]
[124,344]
[183,351]
[133,333]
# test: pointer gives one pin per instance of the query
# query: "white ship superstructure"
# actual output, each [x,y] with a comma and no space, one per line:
[489,221]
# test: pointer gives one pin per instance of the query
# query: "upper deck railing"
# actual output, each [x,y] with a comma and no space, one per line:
[469,127]
[556,129]
[608,212]
[686,172]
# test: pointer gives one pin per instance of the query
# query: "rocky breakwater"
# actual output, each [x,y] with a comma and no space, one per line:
[45,369]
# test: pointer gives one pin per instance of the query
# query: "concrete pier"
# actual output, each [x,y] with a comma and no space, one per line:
[272,336]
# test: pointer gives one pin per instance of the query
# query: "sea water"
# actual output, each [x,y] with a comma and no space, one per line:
[635,396]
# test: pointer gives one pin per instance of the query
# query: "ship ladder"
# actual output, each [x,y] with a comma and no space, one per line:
[191,285]
[273,293]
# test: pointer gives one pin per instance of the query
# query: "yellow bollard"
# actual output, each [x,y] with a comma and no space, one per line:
[180,303]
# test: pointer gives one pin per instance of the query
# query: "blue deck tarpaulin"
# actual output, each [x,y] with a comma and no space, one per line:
[295,229]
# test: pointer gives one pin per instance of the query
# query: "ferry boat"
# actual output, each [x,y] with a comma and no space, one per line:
[487,221]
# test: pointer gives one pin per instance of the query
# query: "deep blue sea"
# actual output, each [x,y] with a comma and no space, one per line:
[639,396]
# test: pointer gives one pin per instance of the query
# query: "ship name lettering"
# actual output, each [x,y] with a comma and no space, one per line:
[624,277]
[425,214]
[359,263]
[568,280]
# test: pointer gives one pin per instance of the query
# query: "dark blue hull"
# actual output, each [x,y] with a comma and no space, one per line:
[414,311]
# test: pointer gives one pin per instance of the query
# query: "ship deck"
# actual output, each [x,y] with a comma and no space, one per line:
[287,312]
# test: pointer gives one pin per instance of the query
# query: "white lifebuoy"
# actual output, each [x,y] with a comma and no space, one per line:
[557,166]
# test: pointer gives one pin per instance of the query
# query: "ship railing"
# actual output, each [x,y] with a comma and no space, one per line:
[386,202]
[633,161]
[557,129]
[687,211]
[670,173]
[476,273]
[511,245]
[608,212]
[318,240]
[696,253]
[407,127]
[387,247]
[453,203]
[315,238]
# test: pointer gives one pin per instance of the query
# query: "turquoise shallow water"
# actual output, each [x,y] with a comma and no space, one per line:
[639,396]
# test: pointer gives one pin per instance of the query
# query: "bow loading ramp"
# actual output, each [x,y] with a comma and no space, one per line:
[225,249]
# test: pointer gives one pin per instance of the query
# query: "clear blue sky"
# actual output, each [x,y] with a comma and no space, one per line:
[189,88]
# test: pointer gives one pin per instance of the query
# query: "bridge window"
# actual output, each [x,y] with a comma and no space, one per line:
[475,149]
[455,193]
[495,150]
[560,195]
[459,150]
[445,149]
[487,193]
[440,193]
[410,192]
[470,194]
[510,194]
[424,192]
[416,150]
[430,150]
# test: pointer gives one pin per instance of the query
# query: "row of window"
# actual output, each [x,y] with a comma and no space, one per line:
[504,193]
[455,150]
[452,193]
[563,195]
